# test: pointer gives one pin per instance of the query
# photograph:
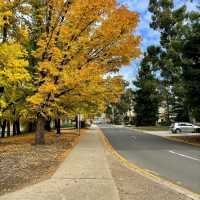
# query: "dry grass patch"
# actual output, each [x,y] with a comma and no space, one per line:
[195,139]
[22,163]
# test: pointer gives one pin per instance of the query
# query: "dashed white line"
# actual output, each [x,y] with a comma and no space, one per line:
[133,137]
[185,156]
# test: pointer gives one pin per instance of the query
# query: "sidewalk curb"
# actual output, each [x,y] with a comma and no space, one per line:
[144,172]
[166,137]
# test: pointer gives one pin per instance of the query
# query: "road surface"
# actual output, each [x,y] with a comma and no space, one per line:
[174,161]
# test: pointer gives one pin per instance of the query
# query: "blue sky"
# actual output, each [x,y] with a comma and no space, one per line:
[150,37]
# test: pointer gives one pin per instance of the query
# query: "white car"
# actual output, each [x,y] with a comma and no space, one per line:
[179,127]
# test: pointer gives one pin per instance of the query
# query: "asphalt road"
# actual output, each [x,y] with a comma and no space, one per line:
[174,161]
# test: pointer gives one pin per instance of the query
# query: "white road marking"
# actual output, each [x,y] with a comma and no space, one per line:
[133,137]
[185,156]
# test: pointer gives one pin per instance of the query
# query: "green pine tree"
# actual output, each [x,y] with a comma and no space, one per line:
[146,95]
[178,58]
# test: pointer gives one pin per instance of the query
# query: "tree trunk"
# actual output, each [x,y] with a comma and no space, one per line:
[168,111]
[14,129]
[48,125]
[3,128]
[58,126]
[76,121]
[8,128]
[31,127]
[5,29]
[55,123]
[40,131]
[17,124]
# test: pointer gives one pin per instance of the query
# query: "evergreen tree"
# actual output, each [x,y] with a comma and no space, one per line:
[146,95]
[191,65]
[178,56]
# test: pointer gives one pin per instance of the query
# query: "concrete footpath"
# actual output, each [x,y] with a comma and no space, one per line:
[84,175]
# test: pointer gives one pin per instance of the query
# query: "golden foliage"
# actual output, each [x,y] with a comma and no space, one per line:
[73,47]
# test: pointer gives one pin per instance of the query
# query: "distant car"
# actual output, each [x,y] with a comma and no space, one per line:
[180,127]
[98,121]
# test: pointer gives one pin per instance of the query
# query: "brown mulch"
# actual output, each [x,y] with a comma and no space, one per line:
[22,163]
[195,139]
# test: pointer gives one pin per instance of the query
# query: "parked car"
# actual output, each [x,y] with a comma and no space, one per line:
[179,127]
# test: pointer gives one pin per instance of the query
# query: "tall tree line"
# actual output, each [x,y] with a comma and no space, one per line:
[55,57]
[177,59]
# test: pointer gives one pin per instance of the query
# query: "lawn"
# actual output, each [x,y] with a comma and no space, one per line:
[68,126]
[194,139]
[22,163]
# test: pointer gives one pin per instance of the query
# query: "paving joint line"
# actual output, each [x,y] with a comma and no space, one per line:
[83,178]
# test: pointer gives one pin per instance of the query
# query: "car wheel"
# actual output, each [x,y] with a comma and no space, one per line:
[173,132]
[178,130]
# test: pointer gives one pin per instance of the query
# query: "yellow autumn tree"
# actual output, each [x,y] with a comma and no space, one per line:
[81,42]
[13,60]
[72,46]
[92,98]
